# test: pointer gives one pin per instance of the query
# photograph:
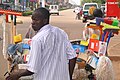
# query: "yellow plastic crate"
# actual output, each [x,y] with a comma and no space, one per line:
[18,38]
[94,36]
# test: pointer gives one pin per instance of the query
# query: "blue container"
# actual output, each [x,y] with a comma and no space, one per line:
[25,46]
[80,47]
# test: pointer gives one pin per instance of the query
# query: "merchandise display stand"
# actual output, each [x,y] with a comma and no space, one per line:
[13,33]
[96,46]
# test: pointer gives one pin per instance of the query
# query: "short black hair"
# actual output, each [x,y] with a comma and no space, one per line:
[44,13]
[97,13]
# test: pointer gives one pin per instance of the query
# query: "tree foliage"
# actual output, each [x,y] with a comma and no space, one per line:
[97,1]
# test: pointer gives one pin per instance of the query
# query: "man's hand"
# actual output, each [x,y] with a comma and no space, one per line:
[13,76]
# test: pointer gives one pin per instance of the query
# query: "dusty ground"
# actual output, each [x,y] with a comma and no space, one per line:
[116,66]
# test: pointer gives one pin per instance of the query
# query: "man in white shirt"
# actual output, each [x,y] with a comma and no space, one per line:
[77,12]
[50,52]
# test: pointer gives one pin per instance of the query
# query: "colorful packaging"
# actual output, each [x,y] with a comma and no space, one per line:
[93,45]
[115,22]
[84,43]
[99,20]
[108,21]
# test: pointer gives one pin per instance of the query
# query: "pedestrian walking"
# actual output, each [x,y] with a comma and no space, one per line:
[77,11]
[51,55]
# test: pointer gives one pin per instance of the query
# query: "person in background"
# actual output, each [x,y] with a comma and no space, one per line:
[77,11]
[30,33]
[51,56]
[91,10]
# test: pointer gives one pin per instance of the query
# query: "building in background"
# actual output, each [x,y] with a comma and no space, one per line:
[75,2]
[33,4]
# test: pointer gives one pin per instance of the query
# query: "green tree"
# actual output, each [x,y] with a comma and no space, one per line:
[97,1]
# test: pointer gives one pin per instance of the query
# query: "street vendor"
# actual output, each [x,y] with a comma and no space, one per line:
[51,55]
[87,32]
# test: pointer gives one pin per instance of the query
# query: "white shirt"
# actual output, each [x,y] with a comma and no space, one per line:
[77,10]
[49,54]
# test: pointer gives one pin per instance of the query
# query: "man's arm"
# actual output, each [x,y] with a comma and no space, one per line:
[25,72]
[72,63]
[19,73]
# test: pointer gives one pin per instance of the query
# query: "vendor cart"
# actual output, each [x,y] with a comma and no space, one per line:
[89,51]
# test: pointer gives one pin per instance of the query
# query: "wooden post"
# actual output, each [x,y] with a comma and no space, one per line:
[4,35]
[6,18]
[13,32]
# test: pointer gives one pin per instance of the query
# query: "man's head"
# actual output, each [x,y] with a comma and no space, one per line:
[97,13]
[40,17]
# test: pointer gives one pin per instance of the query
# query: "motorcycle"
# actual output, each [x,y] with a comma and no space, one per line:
[85,17]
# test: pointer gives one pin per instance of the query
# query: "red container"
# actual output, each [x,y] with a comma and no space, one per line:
[93,45]
[108,21]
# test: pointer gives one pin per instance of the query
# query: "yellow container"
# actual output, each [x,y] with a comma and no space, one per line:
[94,36]
[18,38]
[84,43]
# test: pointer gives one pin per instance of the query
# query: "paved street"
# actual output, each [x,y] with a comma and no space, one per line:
[73,27]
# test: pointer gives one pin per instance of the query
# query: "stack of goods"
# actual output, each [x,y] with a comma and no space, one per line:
[96,45]
[19,51]
[18,54]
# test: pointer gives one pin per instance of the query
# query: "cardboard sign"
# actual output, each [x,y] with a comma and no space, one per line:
[83,56]
[102,48]
[93,45]
[92,61]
